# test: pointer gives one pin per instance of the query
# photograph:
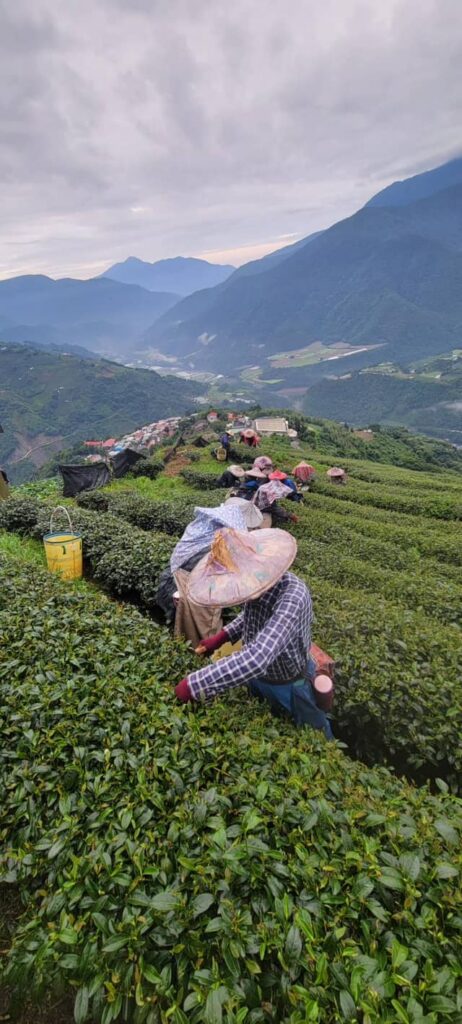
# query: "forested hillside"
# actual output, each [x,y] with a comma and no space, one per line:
[428,398]
[50,401]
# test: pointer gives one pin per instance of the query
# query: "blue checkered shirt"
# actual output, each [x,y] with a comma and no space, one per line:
[276,634]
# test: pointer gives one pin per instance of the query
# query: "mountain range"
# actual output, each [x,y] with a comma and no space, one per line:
[99,313]
[389,276]
[50,401]
[181,275]
[383,286]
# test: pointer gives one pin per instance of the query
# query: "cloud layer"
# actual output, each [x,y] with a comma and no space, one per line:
[164,127]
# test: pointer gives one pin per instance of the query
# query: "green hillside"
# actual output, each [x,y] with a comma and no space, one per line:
[50,401]
[214,865]
[426,397]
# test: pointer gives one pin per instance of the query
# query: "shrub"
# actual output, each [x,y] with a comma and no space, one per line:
[170,516]
[19,515]
[147,467]
[125,560]
[205,864]
[201,481]
[96,501]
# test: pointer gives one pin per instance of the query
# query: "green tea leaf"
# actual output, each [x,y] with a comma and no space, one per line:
[202,903]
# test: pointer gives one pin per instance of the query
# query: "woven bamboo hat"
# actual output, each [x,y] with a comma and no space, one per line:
[237,471]
[240,566]
[263,462]
[251,514]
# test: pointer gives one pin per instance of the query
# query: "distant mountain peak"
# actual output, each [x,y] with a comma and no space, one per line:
[182,275]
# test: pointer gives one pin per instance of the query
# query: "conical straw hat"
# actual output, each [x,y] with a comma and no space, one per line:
[240,566]
[251,514]
[263,462]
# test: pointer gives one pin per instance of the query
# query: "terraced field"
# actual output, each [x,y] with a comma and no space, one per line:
[211,864]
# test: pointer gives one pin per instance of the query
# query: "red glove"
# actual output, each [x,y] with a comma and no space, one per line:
[212,643]
[183,692]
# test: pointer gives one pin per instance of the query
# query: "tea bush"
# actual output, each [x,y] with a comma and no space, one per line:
[398,693]
[123,559]
[437,506]
[168,516]
[147,467]
[202,481]
[95,501]
[204,864]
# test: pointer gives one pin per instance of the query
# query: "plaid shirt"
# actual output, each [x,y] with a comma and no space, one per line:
[276,634]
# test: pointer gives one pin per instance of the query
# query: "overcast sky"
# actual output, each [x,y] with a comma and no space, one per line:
[212,128]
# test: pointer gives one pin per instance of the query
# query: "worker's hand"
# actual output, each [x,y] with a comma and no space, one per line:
[212,643]
[183,692]
[293,518]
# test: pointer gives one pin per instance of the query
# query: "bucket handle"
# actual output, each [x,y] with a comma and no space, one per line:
[60,508]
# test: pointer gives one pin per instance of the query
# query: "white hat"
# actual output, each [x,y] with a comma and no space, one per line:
[250,512]
[224,514]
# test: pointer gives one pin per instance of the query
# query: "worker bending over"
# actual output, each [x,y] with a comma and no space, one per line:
[275,625]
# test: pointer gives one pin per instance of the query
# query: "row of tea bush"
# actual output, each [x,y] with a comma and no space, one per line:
[204,864]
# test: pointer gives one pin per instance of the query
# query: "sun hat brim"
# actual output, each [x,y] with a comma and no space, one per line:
[240,566]
[256,474]
[236,471]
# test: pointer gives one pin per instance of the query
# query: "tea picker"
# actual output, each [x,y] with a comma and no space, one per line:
[251,569]
[193,621]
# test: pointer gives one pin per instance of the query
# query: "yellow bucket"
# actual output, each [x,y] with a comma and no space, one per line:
[226,649]
[64,550]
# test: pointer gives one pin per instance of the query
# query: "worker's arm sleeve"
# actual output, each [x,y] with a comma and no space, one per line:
[253,661]
[279,514]
[234,629]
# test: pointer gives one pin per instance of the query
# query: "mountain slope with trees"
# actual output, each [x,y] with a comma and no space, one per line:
[428,401]
[49,401]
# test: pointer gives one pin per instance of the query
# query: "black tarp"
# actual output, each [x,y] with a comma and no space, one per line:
[123,461]
[84,478]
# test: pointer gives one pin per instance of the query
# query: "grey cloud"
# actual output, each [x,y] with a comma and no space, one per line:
[158,127]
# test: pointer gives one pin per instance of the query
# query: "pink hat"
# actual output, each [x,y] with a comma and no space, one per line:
[256,474]
[278,475]
[241,566]
[303,472]
[263,462]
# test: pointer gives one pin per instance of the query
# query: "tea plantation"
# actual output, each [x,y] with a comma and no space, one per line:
[210,864]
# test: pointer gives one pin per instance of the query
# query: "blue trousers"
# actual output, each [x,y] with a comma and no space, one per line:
[295,699]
